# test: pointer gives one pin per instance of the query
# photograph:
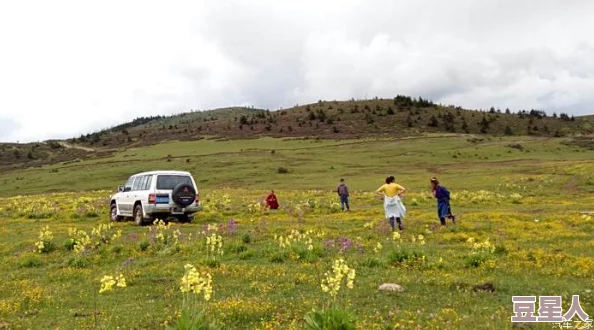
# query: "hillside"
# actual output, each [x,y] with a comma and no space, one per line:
[519,230]
[400,116]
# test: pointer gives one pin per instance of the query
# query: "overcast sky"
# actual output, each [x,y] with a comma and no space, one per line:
[72,67]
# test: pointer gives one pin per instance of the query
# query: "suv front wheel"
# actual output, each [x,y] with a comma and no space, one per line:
[113,213]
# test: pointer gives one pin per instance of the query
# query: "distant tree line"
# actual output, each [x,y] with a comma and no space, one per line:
[407,102]
[136,122]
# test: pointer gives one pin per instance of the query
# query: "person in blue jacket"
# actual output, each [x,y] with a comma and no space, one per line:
[442,194]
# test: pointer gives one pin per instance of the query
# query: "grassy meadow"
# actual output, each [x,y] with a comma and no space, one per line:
[520,231]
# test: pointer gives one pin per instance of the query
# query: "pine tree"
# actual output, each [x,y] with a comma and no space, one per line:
[409,122]
[508,130]
[484,125]
[433,122]
[464,125]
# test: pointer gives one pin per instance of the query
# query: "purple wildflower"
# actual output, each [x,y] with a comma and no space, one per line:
[346,244]
[231,226]
[132,237]
[128,262]
[342,244]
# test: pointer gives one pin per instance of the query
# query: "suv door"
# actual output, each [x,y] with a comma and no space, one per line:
[138,193]
[126,202]
[137,188]
[164,187]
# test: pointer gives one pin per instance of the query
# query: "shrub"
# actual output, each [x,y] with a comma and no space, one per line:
[282,170]
[69,244]
[475,140]
[194,320]
[237,248]
[373,262]
[212,263]
[306,255]
[279,257]
[79,262]
[500,249]
[332,318]
[405,256]
[515,146]
[246,238]
[144,245]
[476,259]
[92,214]
[31,262]
[117,249]
[246,255]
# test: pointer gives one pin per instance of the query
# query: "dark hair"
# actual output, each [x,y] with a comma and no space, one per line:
[341,180]
[434,180]
[390,179]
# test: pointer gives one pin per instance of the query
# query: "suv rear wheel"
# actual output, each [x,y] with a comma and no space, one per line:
[138,219]
[184,219]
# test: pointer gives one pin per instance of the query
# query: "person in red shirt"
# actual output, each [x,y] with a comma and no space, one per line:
[271,201]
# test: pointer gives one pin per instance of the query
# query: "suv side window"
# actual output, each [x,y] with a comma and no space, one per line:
[137,183]
[147,183]
[128,184]
[143,182]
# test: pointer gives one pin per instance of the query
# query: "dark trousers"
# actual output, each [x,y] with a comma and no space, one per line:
[344,201]
[397,220]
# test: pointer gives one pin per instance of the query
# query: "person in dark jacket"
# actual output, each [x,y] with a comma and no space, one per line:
[271,201]
[343,193]
[442,194]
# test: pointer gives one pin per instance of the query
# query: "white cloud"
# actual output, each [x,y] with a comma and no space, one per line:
[68,67]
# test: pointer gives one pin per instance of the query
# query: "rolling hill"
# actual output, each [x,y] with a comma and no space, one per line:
[397,117]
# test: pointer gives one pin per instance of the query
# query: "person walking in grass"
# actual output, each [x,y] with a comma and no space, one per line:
[394,209]
[343,193]
[442,194]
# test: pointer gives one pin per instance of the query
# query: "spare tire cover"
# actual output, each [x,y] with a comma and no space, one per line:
[183,194]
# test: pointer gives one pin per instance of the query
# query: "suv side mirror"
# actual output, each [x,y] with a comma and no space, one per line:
[121,188]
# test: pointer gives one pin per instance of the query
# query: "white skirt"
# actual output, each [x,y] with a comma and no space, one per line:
[394,207]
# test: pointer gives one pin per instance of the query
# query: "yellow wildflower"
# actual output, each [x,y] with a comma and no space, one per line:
[107,283]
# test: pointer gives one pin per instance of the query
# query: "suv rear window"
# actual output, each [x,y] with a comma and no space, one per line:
[168,182]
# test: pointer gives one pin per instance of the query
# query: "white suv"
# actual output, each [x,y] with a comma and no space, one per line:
[156,195]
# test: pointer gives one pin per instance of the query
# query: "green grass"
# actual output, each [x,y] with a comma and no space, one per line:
[317,164]
[527,204]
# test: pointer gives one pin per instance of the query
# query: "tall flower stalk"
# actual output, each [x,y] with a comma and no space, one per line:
[334,317]
[340,275]
[193,286]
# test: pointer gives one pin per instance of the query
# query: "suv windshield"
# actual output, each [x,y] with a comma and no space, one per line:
[168,182]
